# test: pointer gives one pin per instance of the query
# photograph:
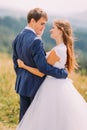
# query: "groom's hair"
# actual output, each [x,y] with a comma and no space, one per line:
[36,14]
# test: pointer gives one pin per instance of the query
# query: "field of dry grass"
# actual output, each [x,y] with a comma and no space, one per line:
[9,100]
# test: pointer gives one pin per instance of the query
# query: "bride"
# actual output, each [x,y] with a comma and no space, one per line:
[57,104]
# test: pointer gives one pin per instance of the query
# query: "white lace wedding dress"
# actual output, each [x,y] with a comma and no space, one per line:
[57,104]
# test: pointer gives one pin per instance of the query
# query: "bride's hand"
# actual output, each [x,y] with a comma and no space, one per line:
[20,63]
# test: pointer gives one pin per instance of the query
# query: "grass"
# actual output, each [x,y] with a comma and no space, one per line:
[9,100]
[9,106]
[80,82]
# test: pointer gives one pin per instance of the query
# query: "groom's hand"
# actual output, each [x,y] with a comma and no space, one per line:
[52,58]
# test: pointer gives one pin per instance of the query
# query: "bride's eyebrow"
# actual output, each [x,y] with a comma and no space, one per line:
[52,26]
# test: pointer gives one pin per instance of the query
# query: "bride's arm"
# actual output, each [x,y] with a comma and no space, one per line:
[52,58]
[33,70]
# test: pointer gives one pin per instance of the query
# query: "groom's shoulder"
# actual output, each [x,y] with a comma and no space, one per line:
[37,40]
[37,43]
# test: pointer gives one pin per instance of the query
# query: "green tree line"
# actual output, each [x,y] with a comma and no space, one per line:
[10,27]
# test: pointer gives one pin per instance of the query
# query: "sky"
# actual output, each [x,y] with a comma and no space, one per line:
[51,6]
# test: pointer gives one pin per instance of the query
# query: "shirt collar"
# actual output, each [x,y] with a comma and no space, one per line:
[29,28]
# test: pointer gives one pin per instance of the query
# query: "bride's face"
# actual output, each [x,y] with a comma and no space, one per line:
[55,32]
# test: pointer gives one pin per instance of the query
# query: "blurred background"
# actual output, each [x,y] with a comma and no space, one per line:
[12,21]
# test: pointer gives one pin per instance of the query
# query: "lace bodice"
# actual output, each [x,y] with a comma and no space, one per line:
[61,52]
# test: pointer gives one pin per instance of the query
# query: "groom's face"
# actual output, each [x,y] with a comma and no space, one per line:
[39,26]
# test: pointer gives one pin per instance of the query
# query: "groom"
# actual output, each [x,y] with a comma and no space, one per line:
[29,48]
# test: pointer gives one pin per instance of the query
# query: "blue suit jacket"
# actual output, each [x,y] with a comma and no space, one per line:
[29,48]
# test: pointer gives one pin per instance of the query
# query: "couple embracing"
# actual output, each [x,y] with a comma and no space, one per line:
[48,99]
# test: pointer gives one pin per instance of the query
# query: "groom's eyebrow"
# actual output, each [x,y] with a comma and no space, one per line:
[43,23]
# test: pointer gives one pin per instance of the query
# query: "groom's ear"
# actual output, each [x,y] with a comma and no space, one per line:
[32,23]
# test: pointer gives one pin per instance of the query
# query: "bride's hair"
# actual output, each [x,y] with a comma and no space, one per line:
[68,39]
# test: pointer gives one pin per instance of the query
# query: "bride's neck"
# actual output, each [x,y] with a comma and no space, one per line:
[59,41]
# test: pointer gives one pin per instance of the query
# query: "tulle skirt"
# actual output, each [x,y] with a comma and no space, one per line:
[56,106]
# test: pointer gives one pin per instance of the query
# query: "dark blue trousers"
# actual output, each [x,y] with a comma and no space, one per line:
[24,104]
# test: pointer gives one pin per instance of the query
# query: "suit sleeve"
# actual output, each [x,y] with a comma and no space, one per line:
[14,56]
[41,63]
